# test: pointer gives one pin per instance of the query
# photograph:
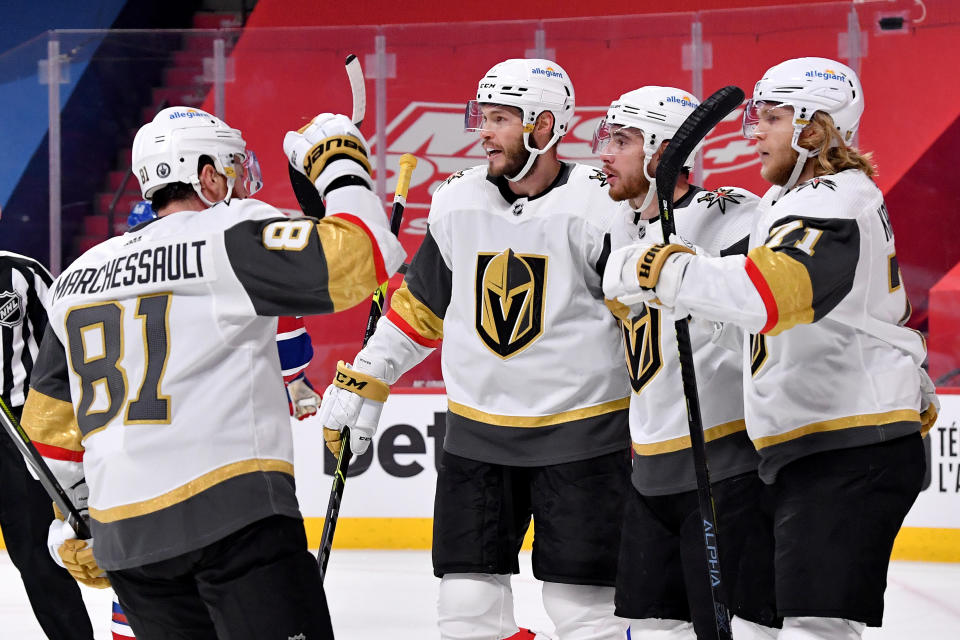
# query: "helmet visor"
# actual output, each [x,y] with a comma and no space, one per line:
[250,173]
[487,116]
[613,139]
[763,111]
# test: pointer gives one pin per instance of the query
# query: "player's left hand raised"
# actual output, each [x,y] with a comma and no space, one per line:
[330,149]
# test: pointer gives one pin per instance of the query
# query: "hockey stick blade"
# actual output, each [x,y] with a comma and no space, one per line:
[311,203]
[357,89]
[694,129]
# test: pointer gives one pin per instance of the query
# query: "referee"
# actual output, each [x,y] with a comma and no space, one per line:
[25,508]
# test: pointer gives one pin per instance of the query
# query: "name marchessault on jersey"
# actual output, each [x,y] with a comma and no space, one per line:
[149,265]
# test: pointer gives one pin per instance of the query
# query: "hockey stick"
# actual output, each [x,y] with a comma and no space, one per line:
[46,477]
[694,129]
[311,202]
[407,164]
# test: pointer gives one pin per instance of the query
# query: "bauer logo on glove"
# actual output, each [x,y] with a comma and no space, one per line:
[333,148]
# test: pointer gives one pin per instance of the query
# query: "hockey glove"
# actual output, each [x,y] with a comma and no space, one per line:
[354,400]
[74,555]
[645,272]
[929,403]
[304,401]
[331,152]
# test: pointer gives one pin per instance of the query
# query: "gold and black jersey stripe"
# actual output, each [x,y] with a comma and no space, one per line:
[420,304]
[351,265]
[805,268]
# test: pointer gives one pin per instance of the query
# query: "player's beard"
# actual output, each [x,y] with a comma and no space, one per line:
[778,171]
[514,157]
[632,187]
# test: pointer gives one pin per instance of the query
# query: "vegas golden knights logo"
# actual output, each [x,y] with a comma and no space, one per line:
[758,352]
[641,343]
[509,300]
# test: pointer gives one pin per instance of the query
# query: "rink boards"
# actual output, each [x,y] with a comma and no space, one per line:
[389,504]
[388,501]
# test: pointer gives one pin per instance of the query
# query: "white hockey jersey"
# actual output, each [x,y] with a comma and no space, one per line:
[512,285]
[830,364]
[160,369]
[718,223]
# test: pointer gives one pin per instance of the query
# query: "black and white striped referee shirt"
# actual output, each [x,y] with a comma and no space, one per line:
[23,320]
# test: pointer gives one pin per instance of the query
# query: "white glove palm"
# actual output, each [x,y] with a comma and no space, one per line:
[328,148]
[354,400]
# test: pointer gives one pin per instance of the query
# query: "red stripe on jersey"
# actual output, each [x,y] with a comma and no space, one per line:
[286,324]
[58,453]
[769,302]
[411,333]
[378,266]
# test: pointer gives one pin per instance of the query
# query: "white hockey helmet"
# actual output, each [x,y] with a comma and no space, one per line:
[533,85]
[658,112]
[808,85]
[168,149]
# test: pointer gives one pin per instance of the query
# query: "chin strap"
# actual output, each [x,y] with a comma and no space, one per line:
[651,188]
[802,156]
[534,152]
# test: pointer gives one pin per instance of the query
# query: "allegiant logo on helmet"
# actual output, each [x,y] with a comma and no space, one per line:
[827,74]
[190,113]
[685,101]
[549,72]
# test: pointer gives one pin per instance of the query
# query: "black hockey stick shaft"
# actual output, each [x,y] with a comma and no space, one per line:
[694,129]
[407,164]
[39,466]
[310,201]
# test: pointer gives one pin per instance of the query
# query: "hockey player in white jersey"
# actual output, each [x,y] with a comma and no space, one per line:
[834,395]
[662,584]
[160,382]
[508,277]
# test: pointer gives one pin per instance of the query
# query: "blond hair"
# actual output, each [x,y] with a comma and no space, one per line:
[834,156]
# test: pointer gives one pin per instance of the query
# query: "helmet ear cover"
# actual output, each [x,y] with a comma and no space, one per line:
[175,191]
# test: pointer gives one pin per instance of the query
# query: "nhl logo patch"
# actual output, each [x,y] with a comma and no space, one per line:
[11,309]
